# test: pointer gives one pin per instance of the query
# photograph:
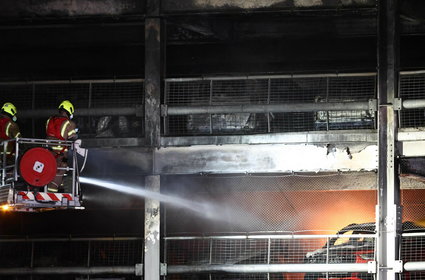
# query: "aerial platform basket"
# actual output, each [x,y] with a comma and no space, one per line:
[28,166]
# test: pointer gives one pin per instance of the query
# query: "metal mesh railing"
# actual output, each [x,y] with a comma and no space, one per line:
[60,254]
[272,203]
[78,252]
[21,95]
[225,91]
[413,275]
[116,94]
[268,204]
[201,252]
[50,95]
[412,86]
[268,90]
[259,91]
[413,250]
[84,95]
[283,90]
[120,252]
[15,254]
[238,250]
[413,207]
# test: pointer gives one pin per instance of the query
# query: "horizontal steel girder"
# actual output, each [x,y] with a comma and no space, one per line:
[94,112]
[69,270]
[269,268]
[264,159]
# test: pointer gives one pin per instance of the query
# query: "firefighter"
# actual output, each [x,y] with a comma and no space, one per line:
[61,127]
[9,129]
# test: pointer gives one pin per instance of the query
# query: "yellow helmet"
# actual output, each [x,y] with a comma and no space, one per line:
[9,108]
[67,106]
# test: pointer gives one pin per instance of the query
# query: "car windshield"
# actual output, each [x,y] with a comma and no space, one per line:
[344,239]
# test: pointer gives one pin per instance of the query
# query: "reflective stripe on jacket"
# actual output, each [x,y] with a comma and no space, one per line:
[5,124]
[8,130]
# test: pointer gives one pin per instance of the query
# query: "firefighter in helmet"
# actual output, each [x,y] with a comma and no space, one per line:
[61,127]
[9,129]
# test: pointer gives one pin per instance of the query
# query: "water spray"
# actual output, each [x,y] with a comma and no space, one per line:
[140,192]
[205,209]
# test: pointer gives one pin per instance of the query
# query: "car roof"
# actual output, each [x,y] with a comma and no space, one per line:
[370,227]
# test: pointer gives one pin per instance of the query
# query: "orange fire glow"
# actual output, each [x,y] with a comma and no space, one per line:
[309,210]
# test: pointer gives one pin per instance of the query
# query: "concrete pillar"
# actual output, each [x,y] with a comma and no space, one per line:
[154,74]
[154,71]
[152,231]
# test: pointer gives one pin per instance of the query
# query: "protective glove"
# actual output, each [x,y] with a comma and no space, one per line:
[77,146]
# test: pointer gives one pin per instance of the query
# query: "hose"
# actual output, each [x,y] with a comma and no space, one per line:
[85,160]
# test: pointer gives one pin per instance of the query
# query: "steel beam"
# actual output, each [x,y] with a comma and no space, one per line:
[280,108]
[67,82]
[113,142]
[266,108]
[69,270]
[276,158]
[388,211]
[93,112]
[205,6]
[310,137]
[269,268]
[290,76]
[414,104]
[410,134]
[52,8]
[412,148]
[68,239]
[152,231]
[414,266]
[269,236]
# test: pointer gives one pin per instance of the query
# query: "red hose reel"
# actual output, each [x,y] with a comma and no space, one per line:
[38,167]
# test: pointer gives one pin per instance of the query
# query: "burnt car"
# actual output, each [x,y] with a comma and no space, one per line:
[347,248]
[344,249]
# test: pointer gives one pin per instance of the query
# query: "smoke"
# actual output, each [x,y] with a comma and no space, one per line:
[213,211]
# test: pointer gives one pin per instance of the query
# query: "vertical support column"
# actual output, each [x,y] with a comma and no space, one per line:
[389,211]
[33,107]
[154,71]
[152,231]
[210,103]
[269,89]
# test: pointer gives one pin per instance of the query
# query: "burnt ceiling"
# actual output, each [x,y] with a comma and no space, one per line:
[54,39]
